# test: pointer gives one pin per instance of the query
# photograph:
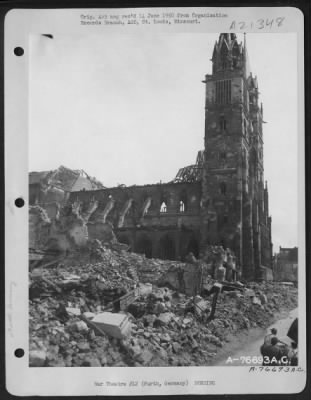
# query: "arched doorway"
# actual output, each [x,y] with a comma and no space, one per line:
[167,248]
[144,246]
[193,247]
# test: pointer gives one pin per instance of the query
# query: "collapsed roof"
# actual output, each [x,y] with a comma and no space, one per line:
[191,173]
[63,178]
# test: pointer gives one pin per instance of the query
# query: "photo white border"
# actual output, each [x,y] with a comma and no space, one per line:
[20,378]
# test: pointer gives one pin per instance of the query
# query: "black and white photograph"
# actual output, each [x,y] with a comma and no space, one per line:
[163,199]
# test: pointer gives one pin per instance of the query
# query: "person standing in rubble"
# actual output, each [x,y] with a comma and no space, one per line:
[220,258]
[190,259]
[268,338]
[293,355]
[271,353]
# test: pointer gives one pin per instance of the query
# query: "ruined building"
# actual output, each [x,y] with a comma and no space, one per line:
[285,264]
[222,198]
[52,188]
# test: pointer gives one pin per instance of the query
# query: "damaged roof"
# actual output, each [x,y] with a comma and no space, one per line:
[191,173]
[65,178]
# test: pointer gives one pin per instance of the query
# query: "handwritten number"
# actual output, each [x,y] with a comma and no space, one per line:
[261,23]
[279,20]
[269,23]
[232,25]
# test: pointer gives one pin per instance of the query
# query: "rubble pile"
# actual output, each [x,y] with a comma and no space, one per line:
[108,307]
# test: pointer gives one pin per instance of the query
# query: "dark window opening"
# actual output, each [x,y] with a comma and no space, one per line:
[223,188]
[222,123]
[226,219]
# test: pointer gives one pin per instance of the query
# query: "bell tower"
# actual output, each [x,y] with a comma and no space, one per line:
[232,185]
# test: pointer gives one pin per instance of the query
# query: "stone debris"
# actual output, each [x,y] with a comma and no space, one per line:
[114,324]
[73,311]
[37,358]
[78,318]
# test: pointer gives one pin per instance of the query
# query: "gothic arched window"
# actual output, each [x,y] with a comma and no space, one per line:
[163,208]
[183,201]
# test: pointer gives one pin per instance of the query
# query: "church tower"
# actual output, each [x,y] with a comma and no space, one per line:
[234,199]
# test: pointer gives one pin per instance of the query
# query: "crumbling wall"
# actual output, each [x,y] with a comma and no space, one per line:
[184,278]
[134,214]
[69,229]
[141,205]
[39,227]
[101,231]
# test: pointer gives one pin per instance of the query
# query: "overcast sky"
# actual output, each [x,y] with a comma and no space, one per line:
[130,109]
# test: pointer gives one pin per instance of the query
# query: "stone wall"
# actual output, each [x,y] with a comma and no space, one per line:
[161,220]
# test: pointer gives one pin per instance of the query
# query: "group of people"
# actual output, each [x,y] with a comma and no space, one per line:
[276,352]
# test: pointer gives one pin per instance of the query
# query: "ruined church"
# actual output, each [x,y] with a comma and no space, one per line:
[220,200]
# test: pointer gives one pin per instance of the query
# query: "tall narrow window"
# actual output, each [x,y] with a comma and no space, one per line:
[163,208]
[223,123]
[181,206]
[223,92]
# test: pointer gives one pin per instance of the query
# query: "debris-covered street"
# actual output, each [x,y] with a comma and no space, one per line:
[104,306]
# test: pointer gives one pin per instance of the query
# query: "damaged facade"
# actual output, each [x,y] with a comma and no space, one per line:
[49,189]
[220,200]
[285,264]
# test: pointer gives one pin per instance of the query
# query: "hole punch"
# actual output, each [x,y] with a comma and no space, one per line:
[18,51]
[48,35]
[19,202]
[19,353]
